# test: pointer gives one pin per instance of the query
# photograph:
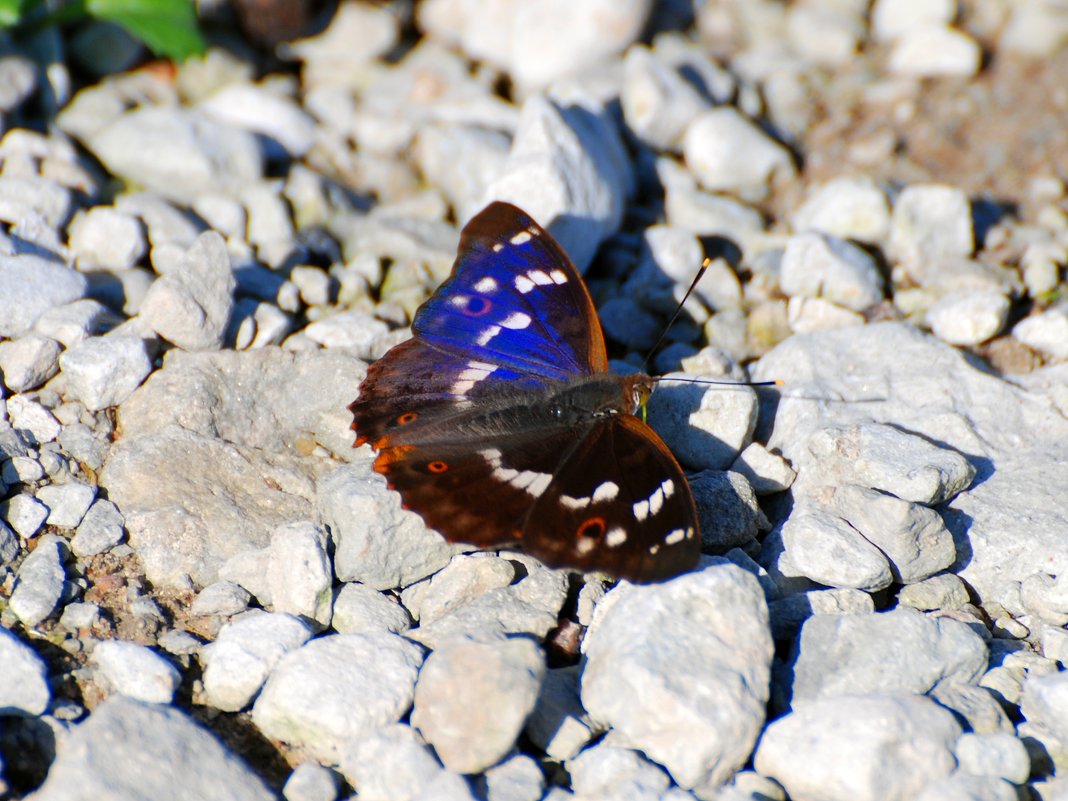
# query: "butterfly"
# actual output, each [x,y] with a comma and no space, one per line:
[499,422]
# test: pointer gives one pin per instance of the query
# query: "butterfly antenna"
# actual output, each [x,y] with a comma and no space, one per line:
[678,310]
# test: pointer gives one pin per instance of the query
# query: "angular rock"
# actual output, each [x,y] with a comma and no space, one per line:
[73,322]
[558,724]
[101,529]
[24,513]
[23,678]
[39,585]
[825,548]
[335,687]
[361,609]
[191,307]
[245,652]
[104,371]
[29,361]
[136,671]
[968,317]
[129,750]
[223,598]
[859,748]
[930,222]
[107,238]
[727,509]
[766,472]
[473,698]
[822,266]
[67,503]
[649,670]
[299,575]
[389,762]
[729,153]
[848,208]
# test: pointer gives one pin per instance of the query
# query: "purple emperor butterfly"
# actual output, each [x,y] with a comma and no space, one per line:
[499,422]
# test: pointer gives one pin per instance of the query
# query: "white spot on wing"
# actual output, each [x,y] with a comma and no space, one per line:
[675,537]
[523,284]
[585,545]
[497,247]
[488,334]
[540,277]
[516,320]
[655,502]
[606,492]
[558,276]
[475,372]
[532,482]
[615,537]
[487,284]
[574,503]
[641,510]
[521,238]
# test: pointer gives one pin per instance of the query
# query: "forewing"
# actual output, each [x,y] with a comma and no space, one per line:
[514,299]
[619,503]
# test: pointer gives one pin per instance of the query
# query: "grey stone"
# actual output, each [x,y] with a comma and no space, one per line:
[390,762]
[176,152]
[521,40]
[24,513]
[729,153]
[886,458]
[816,314]
[376,542]
[1044,705]
[825,548]
[299,575]
[964,785]
[827,36]
[913,537]
[9,544]
[472,699]
[569,171]
[40,582]
[270,228]
[818,265]
[353,329]
[935,51]
[900,651]
[1046,597]
[255,108]
[21,470]
[315,285]
[558,723]
[31,416]
[461,161]
[245,653]
[461,581]
[859,748]
[788,613]
[979,707]
[1004,525]
[191,307]
[23,678]
[224,598]
[136,671]
[649,671]
[78,617]
[705,427]
[848,208]
[104,371]
[943,591]
[518,778]
[107,238]
[311,782]
[998,755]
[24,197]
[248,568]
[100,530]
[531,606]
[359,609]
[29,361]
[727,509]
[356,35]
[67,503]
[930,222]
[657,100]
[334,687]
[130,750]
[18,77]
[968,317]
[704,213]
[766,472]
[611,771]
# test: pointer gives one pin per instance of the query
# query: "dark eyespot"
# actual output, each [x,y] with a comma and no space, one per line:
[437,467]
[476,306]
[591,527]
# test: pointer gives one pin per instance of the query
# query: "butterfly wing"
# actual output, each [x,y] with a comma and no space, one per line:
[515,300]
[619,503]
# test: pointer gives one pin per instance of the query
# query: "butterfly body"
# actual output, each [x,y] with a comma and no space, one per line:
[499,423]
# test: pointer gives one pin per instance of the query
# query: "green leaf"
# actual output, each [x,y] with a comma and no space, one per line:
[11,12]
[168,27]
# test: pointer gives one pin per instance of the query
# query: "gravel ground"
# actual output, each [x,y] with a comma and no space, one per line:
[205,590]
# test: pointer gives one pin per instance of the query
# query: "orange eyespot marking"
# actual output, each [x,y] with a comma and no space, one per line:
[407,417]
[591,527]
[388,456]
[476,306]
[437,467]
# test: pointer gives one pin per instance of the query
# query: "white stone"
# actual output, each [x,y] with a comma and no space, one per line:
[100,529]
[73,322]
[861,748]
[67,503]
[106,238]
[816,314]
[658,102]
[29,361]
[299,574]
[31,416]
[23,677]
[24,513]
[39,584]
[892,18]
[390,762]
[727,152]
[224,598]
[999,754]
[311,782]
[968,317]
[359,608]
[136,671]
[766,472]
[828,550]
[821,266]
[255,108]
[1046,332]
[935,51]
[848,208]
[104,371]
[930,223]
